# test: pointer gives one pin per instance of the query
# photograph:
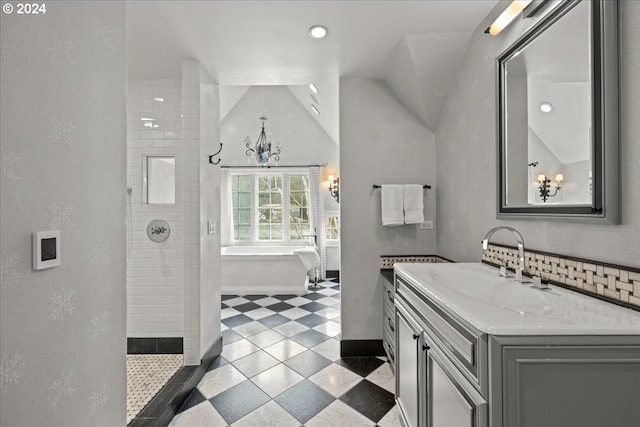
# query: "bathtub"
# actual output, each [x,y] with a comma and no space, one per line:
[262,270]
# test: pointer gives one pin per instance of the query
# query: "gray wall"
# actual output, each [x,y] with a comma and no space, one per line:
[380,143]
[466,152]
[63,155]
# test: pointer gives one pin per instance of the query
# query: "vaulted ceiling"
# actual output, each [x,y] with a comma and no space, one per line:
[413,45]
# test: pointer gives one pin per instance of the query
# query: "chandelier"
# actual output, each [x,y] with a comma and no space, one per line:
[263,149]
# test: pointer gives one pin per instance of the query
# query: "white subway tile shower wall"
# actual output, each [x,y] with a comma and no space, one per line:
[155,271]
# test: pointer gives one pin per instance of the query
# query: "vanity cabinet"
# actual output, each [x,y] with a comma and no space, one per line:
[454,371]
[389,322]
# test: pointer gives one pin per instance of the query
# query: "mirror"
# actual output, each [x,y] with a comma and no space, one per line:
[557,117]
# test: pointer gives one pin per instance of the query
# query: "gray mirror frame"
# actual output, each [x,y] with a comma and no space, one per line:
[605,207]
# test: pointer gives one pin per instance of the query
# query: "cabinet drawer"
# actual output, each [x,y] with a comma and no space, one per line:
[464,345]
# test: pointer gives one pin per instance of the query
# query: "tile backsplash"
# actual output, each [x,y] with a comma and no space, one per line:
[614,283]
[387,261]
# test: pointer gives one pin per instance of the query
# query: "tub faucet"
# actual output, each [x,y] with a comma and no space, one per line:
[520,240]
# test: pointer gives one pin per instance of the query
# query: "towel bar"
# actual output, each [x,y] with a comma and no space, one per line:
[380,186]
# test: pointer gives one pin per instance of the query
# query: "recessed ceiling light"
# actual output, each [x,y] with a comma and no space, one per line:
[546,107]
[315,109]
[313,88]
[318,31]
[158,99]
[147,119]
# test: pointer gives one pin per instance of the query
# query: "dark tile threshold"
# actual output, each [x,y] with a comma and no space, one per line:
[163,407]
[155,345]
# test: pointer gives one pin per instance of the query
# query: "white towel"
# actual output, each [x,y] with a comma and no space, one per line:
[308,257]
[391,202]
[413,204]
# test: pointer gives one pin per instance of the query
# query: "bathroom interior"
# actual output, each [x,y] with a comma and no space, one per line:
[175,239]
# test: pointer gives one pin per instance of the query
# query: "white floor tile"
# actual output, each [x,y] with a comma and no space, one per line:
[295,313]
[255,363]
[238,349]
[285,349]
[329,328]
[267,301]
[250,328]
[297,301]
[268,415]
[329,313]
[235,301]
[259,313]
[266,338]
[290,329]
[203,414]
[228,312]
[328,301]
[221,379]
[339,414]
[335,379]
[275,380]
[383,376]
[392,418]
[329,349]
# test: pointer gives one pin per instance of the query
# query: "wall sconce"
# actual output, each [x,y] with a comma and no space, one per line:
[334,187]
[545,186]
[508,15]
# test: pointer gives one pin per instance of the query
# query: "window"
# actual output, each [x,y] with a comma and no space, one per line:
[270,206]
[160,179]
[332,227]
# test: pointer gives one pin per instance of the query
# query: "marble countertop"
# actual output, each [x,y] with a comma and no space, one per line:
[500,306]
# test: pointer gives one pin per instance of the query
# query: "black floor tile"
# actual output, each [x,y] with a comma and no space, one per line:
[313,306]
[304,400]
[336,287]
[230,336]
[310,338]
[253,297]
[284,297]
[194,398]
[226,297]
[248,306]
[313,296]
[239,400]
[274,320]
[280,306]
[307,363]
[223,306]
[369,399]
[312,320]
[362,366]
[238,320]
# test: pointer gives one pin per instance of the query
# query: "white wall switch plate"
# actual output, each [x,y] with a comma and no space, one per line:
[427,225]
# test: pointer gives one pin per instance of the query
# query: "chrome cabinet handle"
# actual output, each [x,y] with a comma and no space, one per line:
[425,347]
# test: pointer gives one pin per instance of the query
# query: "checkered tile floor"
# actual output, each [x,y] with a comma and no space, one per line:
[281,366]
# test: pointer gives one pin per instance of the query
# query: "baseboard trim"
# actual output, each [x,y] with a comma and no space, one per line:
[164,406]
[361,348]
[172,345]
[333,274]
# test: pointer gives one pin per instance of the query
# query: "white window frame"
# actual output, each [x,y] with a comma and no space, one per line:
[286,234]
[331,242]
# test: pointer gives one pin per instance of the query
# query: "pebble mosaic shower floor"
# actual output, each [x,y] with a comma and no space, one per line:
[146,375]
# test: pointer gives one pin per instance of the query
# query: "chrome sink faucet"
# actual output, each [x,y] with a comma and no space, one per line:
[520,240]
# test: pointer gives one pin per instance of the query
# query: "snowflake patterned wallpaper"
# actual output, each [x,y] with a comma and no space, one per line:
[62,152]
[466,154]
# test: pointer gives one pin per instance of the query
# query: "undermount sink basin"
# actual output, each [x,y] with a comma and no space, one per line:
[502,306]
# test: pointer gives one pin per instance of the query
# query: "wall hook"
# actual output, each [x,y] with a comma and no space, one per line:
[215,154]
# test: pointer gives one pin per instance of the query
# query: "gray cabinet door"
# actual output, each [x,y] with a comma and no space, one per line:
[407,369]
[451,400]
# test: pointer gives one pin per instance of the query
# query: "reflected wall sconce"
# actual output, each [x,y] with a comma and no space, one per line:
[507,16]
[545,185]
[334,187]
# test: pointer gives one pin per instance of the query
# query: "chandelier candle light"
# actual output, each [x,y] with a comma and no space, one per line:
[334,187]
[545,186]
[263,149]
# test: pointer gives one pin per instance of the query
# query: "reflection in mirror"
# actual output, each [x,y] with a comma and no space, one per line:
[160,179]
[553,85]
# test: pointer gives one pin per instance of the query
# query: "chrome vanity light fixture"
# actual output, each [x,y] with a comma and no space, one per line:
[334,187]
[508,15]
[263,149]
[545,186]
